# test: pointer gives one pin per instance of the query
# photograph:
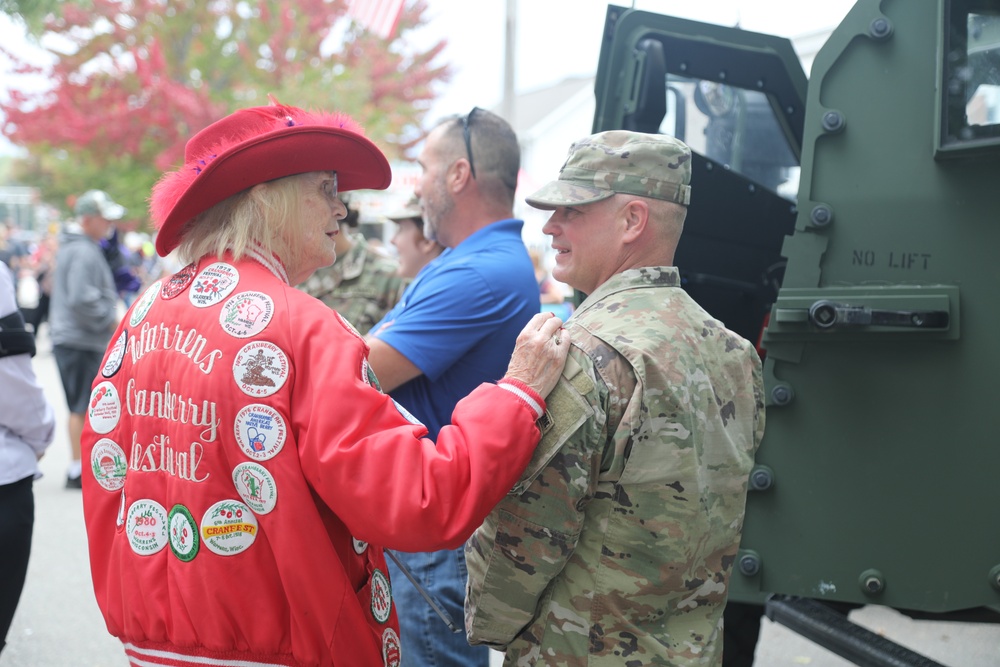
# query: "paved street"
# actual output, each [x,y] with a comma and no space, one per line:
[58,623]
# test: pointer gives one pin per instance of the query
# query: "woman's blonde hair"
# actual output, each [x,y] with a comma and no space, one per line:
[265,216]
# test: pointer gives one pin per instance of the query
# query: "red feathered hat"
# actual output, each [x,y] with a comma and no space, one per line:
[259,144]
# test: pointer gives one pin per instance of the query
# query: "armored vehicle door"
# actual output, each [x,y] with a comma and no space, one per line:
[738,99]
[871,268]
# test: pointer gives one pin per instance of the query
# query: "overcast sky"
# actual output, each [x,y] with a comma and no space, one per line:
[555,38]
[561,38]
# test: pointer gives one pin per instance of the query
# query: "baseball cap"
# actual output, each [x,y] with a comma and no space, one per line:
[619,161]
[411,211]
[99,202]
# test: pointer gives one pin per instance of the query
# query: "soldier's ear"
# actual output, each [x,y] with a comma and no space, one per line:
[635,218]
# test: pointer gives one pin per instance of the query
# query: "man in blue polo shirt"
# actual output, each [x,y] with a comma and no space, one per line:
[454,328]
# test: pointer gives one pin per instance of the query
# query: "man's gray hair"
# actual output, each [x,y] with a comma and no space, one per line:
[496,154]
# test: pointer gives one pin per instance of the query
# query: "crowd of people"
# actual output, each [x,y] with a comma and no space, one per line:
[459,467]
[31,259]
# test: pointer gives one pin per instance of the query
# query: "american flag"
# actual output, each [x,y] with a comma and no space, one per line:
[377,16]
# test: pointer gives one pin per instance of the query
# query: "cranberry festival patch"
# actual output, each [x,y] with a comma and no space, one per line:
[145,302]
[214,283]
[105,408]
[246,314]
[178,282]
[260,369]
[228,528]
[256,486]
[114,362]
[381,597]
[184,539]
[146,526]
[107,461]
[260,431]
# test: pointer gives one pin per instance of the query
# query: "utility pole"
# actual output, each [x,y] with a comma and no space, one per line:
[510,45]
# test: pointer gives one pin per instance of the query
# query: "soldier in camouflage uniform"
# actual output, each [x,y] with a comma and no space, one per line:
[362,285]
[616,546]
[414,249]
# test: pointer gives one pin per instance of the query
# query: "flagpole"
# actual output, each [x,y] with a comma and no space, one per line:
[510,46]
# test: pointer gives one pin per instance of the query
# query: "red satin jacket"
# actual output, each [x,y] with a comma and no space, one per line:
[245,471]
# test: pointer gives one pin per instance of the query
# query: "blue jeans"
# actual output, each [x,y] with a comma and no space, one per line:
[426,640]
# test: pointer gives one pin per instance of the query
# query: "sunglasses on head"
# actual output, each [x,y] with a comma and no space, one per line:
[467,133]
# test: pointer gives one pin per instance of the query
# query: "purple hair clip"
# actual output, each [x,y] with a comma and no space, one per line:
[197,169]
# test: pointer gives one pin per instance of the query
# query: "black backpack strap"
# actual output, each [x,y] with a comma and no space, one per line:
[14,337]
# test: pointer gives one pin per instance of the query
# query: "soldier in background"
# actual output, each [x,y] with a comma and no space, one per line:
[616,546]
[415,250]
[362,284]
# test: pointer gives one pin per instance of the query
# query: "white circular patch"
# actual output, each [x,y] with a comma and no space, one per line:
[116,355]
[260,431]
[213,284]
[228,528]
[246,314]
[406,413]
[105,408]
[260,369]
[368,375]
[107,461]
[391,649]
[145,302]
[350,327]
[146,526]
[381,597]
[120,519]
[184,540]
[359,546]
[256,486]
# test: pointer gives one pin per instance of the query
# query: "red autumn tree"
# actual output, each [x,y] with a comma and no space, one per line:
[133,79]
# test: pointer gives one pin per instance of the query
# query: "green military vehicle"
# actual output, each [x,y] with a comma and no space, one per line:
[847,223]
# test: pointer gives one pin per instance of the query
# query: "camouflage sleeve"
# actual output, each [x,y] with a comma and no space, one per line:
[758,397]
[525,542]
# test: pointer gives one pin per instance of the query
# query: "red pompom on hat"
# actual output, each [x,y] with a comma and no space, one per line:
[256,145]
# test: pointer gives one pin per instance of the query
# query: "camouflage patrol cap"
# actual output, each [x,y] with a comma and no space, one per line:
[411,211]
[647,165]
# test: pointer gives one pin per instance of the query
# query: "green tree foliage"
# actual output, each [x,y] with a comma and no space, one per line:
[33,12]
[134,79]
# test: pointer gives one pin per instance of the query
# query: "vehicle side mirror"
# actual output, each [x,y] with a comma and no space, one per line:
[649,97]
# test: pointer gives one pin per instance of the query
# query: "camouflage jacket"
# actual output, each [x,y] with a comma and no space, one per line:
[362,285]
[616,546]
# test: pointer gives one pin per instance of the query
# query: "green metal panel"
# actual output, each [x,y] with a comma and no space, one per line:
[885,458]
[880,441]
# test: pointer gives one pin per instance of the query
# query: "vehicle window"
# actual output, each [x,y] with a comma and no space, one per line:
[735,127]
[971,71]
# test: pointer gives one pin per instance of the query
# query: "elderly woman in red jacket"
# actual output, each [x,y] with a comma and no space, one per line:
[245,470]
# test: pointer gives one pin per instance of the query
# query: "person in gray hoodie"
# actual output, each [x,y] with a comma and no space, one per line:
[83,311]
